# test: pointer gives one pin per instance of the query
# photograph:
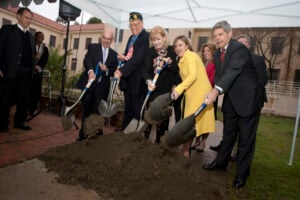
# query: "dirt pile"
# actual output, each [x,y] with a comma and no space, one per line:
[120,167]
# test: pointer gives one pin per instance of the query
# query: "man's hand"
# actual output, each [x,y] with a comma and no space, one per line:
[103,67]
[91,75]
[1,73]
[118,74]
[211,96]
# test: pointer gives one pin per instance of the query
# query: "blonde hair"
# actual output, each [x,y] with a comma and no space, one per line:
[158,30]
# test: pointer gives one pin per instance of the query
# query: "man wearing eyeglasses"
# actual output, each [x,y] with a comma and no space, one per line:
[16,70]
[100,62]
[131,73]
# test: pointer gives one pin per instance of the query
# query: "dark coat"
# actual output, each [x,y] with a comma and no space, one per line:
[132,70]
[167,77]
[238,79]
[11,47]
[261,69]
[92,58]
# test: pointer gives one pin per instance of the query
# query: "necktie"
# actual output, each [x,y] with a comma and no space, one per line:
[104,55]
[222,55]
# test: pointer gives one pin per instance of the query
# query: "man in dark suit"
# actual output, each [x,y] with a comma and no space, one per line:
[237,78]
[16,69]
[100,62]
[41,59]
[261,69]
[131,73]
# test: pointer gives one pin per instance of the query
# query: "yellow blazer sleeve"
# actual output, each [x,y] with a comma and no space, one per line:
[188,72]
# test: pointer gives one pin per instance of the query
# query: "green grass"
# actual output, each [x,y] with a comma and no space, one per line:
[271,177]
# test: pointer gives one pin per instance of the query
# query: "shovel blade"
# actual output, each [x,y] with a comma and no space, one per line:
[102,107]
[135,126]
[67,121]
[107,111]
[181,132]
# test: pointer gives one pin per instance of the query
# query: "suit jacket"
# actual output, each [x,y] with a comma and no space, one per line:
[238,78]
[167,77]
[261,69]
[132,70]
[92,58]
[44,58]
[11,47]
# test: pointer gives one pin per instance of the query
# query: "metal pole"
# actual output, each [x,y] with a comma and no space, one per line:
[295,133]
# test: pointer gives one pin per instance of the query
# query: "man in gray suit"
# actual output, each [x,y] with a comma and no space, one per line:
[237,78]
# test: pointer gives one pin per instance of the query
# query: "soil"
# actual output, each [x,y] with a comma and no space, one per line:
[126,167]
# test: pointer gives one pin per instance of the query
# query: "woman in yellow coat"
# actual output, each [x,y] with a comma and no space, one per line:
[194,86]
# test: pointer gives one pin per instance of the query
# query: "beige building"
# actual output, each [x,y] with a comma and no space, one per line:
[281,46]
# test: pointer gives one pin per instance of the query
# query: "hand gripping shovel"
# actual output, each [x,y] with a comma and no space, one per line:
[68,118]
[138,126]
[183,131]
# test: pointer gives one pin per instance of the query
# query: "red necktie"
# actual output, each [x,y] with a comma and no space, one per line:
[222,55]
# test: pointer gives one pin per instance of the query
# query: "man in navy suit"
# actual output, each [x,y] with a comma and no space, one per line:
[16,69]
[237,78]
[131,73]
[100,62]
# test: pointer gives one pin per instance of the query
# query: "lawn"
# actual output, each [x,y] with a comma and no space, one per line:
[271,177]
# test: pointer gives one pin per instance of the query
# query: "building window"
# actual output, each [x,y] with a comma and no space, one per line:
[76,43]
[88,41]
[52,41]
[190,34]
[6,21]
[74,64]
[201,42]
[277,44]
[274,74]
[120,36]
[298,52]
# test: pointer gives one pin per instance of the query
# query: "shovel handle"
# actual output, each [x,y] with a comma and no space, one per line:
[200,109]
[87,86]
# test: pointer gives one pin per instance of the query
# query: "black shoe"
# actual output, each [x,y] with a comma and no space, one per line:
[4,129]
[100,132]
[239,181]
[215,148]
[213,166]
[23,127]
[81,135]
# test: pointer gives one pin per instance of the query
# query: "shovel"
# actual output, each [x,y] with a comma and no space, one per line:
[107,109]
[140,125]
[68,117]
[183,131]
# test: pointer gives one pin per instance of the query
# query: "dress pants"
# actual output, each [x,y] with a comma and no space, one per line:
[241,128]
[15,91]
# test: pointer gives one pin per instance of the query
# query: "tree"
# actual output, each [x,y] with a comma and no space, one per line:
[270,43]
[94,20]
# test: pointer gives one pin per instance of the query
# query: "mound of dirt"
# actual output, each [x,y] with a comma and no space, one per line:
[125,167]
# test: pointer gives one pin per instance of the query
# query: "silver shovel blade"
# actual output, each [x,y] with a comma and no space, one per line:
[135,126]
[102,107]
[67,121]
